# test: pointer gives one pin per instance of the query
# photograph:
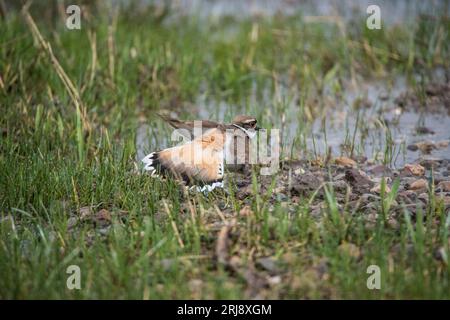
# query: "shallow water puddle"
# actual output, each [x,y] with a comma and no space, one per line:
[362,120]
[393,11]
[384,133]
[400,132]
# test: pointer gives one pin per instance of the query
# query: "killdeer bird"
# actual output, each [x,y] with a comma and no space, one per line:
[239,122]
[201,161]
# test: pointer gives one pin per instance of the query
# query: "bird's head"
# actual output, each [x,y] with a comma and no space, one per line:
[246,122]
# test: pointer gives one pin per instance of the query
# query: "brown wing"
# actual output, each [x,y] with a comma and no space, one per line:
[199,160]
[189,125]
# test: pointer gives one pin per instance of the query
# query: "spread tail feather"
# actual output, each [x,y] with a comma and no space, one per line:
[151,162]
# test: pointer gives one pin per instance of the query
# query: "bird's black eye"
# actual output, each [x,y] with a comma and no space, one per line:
[249,124]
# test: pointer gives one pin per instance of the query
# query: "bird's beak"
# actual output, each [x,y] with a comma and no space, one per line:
[257,128]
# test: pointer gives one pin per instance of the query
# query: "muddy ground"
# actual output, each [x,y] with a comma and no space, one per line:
[359,186]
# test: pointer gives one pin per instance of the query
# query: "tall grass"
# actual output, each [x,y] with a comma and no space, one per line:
[71,105]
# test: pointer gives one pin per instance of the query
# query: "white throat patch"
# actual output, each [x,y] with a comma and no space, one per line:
[250,134]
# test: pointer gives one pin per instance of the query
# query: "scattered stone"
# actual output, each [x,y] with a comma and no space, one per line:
[379,170]
[340,186]
[442,144]
[344,161]
[358,180]
[423,197]
[104,231]
[424,130]
[85,213]
[426,146]
[414,169]
[360,159]
[408,195]
[377,189]
[369,197]
[269,264]
[339,176]
[278,190]
[318,162]
[275,280]
[418,184]
[444,186]
[379,180]
[429,163]
[437,98]
[304,184]
[103,215]
[235,262]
